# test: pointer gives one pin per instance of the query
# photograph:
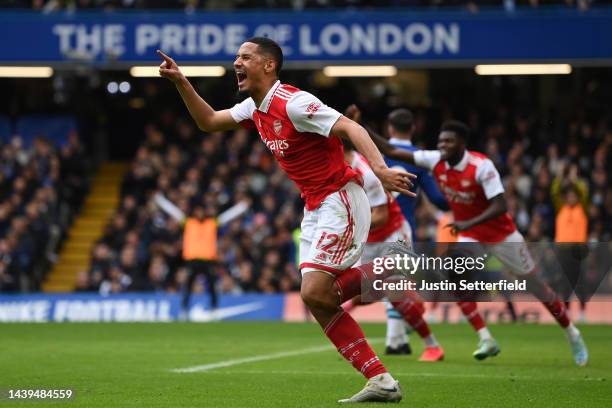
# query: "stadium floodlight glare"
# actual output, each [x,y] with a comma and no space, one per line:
[112,87]
[360,71]
[523,69]
[187,70]
[124,87]
[25,72]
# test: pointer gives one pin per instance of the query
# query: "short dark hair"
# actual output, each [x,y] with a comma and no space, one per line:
[402,120]
[271,48]
[459,128]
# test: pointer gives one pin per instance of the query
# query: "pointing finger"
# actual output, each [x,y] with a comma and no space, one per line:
[165,57]
[406,192]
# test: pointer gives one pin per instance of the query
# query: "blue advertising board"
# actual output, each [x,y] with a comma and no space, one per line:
[135,307]
[401,36]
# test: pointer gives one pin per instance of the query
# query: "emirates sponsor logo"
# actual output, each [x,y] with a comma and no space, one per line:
[277,147]
[461,197]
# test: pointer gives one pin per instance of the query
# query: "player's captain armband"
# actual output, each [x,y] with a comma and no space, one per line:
[426,158]
[488,177]
[309,115]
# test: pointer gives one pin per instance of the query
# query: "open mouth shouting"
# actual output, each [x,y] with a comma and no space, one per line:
[241,76]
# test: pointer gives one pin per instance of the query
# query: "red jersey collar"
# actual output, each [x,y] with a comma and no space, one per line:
[265,104]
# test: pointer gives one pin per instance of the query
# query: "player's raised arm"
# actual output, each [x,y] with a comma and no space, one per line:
[386,148]
[204,115]
[392,179]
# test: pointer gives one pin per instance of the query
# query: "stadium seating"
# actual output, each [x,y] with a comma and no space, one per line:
[41,189]
[5,129]
[54,128]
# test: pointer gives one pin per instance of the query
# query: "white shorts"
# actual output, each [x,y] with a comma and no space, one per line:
[512,252]
[334,234]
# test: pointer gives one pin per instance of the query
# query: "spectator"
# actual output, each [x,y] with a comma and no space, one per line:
[572,223]
[200,252]
[35,210]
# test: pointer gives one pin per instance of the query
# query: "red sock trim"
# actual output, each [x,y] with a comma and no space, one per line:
[412,312]
[349,340]
[470,311]
[559,312]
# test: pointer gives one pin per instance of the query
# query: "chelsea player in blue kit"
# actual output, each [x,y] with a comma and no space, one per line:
[400,129]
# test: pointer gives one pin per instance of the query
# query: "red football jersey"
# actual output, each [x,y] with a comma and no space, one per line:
[468,187]
[296,126]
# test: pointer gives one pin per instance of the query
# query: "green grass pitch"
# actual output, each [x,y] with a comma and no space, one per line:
[130,365]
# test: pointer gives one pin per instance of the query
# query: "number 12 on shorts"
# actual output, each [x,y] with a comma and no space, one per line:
[327,242]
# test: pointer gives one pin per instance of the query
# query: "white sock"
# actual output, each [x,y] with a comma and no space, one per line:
[430,341]
[396,333]
[484,334]
[572,331]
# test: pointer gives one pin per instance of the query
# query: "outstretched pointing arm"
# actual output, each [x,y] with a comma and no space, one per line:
[205,116]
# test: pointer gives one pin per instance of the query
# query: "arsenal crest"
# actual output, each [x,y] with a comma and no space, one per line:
[278,126]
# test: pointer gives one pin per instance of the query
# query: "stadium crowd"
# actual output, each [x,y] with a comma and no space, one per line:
[141,247]
[192,5]
[41,189]
[540,168]
[545,169]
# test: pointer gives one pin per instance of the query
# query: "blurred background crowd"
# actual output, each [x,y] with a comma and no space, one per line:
[550,138]
[41,190]
[192,5]
[141,247]
[542,155]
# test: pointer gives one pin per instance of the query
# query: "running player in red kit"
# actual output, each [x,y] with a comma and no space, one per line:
[389,225]
[475,193]
[304,136]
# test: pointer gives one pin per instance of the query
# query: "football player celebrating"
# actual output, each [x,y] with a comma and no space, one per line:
[400,128]
[304,135]
[475,193]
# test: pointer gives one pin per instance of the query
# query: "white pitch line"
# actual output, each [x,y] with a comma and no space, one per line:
[410,374]
[261,357]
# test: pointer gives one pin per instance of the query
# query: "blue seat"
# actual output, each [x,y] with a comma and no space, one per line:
[5,129]
[55,128]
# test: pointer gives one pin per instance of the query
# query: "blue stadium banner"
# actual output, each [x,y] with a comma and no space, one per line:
[135,307]
[403,37]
